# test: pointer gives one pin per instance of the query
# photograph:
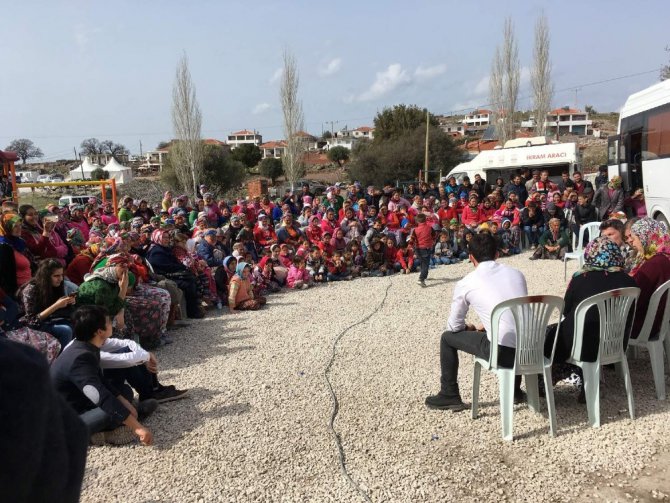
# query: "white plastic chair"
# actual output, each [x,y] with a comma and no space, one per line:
[655,345]
[613,307]
[531,318]
[592,231]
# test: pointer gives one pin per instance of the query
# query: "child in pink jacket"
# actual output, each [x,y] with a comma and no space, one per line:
[298,275]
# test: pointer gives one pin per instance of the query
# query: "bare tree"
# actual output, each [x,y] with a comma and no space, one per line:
[92,146]
[187,151]
[504,83]
[540,79]
[114,149]
[496,94]
[25,149]
[293,119]
[665,69]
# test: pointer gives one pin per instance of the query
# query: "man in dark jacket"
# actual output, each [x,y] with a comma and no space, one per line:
[517,188]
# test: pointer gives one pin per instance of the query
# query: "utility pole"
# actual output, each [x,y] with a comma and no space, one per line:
[425,160]
[140,148]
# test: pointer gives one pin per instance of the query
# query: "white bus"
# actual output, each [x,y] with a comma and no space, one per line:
[640,153]
[503,162]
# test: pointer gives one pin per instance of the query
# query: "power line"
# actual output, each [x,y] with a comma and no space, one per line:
[316,123]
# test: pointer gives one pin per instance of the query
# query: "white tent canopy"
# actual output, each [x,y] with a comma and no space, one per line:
[87,167]
[118,171]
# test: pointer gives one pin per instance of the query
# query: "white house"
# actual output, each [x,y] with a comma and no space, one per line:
[453,129]
[478,118]
[569,121]
[274,149]
[346,142]
[244,137]
[363,132]
[154,160]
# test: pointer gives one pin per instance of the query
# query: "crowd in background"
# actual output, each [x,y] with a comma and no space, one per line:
[150,265]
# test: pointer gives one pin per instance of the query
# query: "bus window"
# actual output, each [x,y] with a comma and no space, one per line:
[612,148]
[658,133]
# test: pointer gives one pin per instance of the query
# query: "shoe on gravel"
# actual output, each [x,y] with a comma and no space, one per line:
[442,402]
[169,394]
[120,436]
[421,282]
[146,407]
[98,439]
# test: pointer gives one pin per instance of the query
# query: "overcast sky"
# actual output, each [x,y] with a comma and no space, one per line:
[82,69]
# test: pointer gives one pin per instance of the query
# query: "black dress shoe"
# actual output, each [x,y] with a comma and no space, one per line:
[442,402]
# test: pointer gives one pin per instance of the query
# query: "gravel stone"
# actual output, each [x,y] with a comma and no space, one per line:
[255,427]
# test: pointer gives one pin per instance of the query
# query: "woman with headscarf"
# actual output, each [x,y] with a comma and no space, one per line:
[15,259]
[76,240]
[42,241]
[241,292]
[81,264]
[163,261]
[199,267]
[289,233]
[108,217]
[553,242]
[651,265]
[609,198]
[78,220]
[602,271]
[166,203]
[107,286]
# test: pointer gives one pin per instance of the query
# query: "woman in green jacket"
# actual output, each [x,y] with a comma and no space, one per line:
[554,242]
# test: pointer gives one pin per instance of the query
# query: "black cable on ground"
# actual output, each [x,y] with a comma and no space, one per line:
[336,403]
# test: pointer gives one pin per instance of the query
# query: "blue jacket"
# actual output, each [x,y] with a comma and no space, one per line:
[206,252]
[163,260]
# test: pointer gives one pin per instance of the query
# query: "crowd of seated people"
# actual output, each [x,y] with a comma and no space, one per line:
[148,266]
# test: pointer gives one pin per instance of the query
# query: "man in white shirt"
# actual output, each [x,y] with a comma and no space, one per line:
[488,285]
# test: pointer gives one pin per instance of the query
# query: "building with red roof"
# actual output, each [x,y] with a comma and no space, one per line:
[244,137]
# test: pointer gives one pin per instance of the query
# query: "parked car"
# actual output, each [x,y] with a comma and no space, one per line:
[68,200]
[43,178]
[57,178]
[315,187]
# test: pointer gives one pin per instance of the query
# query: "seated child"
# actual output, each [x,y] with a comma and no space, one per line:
[404,259]
[298,276]
[375,262]
[315,265]
[509,244]
[337,268]
[444,250]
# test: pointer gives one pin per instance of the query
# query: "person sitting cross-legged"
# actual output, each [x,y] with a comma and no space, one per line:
[77,376]
[482,290]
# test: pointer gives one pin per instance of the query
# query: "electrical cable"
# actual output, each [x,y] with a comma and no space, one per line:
[336,403]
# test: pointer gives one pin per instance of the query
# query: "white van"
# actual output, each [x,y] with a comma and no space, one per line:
[502,162]
[68,200]
[26,176]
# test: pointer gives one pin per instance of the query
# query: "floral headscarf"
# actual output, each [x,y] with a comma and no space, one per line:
[157,236]
[654,238]
[602,254]
[75,237]
[7,223]
[615,183]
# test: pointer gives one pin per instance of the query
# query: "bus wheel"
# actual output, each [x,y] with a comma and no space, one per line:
[660,217]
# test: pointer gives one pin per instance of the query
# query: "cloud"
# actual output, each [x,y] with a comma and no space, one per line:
[429,72]
[390,79]
[260,108]
[276,75]
[330,68]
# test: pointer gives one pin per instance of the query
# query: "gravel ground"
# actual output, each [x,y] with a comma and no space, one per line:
[255,427]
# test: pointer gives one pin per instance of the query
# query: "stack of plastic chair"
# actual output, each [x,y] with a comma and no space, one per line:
[655,342]
[531,318]
[614,308]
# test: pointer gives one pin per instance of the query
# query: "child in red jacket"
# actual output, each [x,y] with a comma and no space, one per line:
[404,259]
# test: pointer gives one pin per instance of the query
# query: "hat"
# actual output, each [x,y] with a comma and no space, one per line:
[453,221]
[262,216]
[210,232]
[219,232]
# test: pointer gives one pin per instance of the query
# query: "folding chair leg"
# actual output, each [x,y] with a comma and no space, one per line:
[657,367]
[506,385]
[477,373]
[629,388]
[565,268]
[618,368]
[591,372]
[667,351]
[533,392]
[551,409]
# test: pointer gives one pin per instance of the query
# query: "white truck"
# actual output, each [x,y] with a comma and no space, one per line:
[502,162]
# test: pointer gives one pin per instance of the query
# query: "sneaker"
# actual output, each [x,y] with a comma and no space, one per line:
[169,394]
[219,305]
[442,402]
[98,439]
[305,286]
[422,283]
[164,340]
[532,258]
[120,436]
[532,247]
[145,408]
